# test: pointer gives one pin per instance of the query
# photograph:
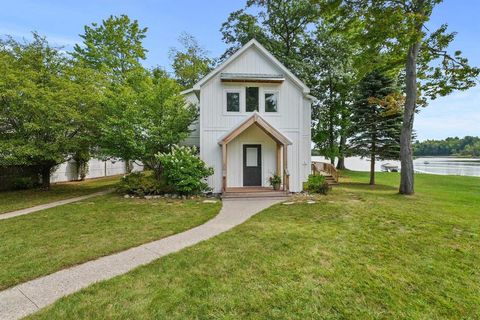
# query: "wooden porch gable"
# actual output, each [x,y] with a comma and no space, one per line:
[282,146]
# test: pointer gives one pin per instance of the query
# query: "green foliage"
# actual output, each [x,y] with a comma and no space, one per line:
[190,63]
[376,124]
[184,170]
[145,116]
[23,183]
[49,105]
[317,183]
[468,146]
[392,34]
[142,184]
[281,26]
[275,181]
[114,47]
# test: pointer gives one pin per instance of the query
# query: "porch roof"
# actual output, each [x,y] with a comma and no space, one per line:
[255,119]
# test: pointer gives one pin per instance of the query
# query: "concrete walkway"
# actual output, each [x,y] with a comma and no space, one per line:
[28,297]
[17,213]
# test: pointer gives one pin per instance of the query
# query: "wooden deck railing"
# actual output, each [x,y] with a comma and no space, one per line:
[328,168]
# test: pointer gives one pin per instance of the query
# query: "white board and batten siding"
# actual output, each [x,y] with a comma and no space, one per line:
[292,120]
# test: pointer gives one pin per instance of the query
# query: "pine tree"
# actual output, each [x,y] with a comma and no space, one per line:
[377,119]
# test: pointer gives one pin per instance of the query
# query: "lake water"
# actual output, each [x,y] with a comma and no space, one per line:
[443,166]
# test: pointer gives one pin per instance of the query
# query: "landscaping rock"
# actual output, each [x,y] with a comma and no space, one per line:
[210,201]
[126,196]
[311,202]
[288,203]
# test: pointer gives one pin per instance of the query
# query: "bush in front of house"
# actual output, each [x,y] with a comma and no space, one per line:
[142,184]
[184,171]
[23,183]
[317,183]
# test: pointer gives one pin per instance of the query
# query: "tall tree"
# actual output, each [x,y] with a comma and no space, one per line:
[147,116]
[115,46]
[49,106]
[281,26]
[191,62]
[376,120]
[397,29]
[331,77]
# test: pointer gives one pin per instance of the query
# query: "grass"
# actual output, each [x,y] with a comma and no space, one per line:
[21,199]
[359,253]
[47,241]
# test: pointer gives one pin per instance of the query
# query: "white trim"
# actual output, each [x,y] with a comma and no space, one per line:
[276,93]
[265,52]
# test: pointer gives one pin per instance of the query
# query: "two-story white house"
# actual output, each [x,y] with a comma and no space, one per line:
[254,122]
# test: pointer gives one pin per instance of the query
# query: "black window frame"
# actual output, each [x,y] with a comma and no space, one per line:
[238,100]
[249,99]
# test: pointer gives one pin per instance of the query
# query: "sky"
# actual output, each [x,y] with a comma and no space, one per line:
[62,21]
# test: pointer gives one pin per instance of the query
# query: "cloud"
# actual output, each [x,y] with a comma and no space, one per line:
[54,39]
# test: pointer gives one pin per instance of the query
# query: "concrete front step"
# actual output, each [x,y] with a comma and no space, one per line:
[243,195]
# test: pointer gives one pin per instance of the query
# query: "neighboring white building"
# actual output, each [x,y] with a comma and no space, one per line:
[254,122]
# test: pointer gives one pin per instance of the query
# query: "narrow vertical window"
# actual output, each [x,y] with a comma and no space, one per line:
[251,99]
[233,101]
[271,102]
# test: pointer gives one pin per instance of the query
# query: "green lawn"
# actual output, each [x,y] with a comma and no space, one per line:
[359,253]
[46,241]
[21,199]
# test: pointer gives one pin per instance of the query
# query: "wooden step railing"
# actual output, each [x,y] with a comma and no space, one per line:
[328,168]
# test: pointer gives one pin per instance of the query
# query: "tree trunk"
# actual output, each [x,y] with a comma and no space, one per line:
[372,169]
[341,153]
[46,170]
[331,133]
[406,154]
[128,166]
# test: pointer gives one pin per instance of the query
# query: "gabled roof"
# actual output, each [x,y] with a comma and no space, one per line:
[255,119]
[268,55]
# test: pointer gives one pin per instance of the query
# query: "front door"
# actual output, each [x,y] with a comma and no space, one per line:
[252,165]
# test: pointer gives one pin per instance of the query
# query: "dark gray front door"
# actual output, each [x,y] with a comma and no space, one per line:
[252,165]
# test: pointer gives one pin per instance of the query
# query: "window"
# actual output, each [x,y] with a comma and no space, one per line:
[271,102]
[251,99]
[233,101]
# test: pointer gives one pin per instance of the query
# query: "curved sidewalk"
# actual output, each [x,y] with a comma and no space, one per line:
[12,214]
[29,297]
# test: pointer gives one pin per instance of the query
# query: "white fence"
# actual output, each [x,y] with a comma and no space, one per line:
[67,171]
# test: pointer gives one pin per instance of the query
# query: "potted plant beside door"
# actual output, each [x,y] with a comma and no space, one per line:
[275,181]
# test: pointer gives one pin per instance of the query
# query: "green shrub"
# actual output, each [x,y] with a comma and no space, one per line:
[275,181]
[142,184]
[184,171]
[317,183]
[23,183]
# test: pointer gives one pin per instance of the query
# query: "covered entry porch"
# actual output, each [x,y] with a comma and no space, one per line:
[251,153]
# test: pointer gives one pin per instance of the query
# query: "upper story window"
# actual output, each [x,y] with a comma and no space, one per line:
[271,101]
[251,99]
[233,101]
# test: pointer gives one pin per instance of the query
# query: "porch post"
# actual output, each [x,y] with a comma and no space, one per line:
[279,159]
[285,169]
[224,167]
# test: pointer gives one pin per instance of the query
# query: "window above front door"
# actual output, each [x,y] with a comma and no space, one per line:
[251,99]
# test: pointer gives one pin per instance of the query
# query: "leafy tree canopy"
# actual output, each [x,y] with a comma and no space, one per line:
[49,105]
[114,46]
[453,146]
[190,63]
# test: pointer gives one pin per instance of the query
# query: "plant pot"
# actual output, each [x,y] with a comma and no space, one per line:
[276,186]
